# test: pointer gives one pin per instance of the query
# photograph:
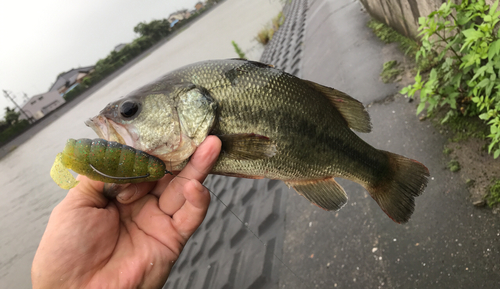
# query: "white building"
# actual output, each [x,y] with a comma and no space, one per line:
[40,105]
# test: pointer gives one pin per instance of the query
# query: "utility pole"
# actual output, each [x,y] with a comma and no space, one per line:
[7,95]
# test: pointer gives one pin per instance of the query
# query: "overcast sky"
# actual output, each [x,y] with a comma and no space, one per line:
[40,39]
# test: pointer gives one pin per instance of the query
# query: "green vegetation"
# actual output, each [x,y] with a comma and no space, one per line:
[389,35]
[466,47]
[454,166]
[469,183]
[447,150]
[156,29]
[212,2]
[266,34]
[11,125]
[493,196]
[240,53]
[461,127]
[390,71]
[409,46]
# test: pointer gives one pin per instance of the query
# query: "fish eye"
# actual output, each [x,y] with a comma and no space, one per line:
[129,109]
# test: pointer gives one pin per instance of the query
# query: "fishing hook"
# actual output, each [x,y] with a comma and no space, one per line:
[118,178]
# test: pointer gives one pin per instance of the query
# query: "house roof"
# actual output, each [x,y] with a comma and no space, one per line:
[69,76]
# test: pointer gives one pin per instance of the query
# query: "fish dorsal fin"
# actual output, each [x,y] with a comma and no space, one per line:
[247,146]
[352,110]
[256,63]
[326,194]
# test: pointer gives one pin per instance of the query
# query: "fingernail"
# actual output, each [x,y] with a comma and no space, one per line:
[110,190]
[128,193]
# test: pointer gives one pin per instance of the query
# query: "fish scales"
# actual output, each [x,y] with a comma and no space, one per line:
[272,124]
[247,98]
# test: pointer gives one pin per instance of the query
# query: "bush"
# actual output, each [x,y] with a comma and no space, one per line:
[388,35]
[493,196]
[13,131]
[76,91]
[465,80]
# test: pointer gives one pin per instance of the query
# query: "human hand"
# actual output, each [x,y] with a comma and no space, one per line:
[130,242]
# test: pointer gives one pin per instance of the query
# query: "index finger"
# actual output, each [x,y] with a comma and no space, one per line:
[199,166]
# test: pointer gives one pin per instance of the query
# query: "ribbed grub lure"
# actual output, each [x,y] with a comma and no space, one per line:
[105,161]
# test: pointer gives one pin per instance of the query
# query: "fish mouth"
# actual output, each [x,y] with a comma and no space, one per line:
[110,130]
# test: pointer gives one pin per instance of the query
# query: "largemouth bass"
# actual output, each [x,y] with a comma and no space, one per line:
[272,125]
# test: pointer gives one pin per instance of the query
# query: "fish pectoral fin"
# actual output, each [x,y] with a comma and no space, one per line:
[247,146]
[326,194]
[352,110]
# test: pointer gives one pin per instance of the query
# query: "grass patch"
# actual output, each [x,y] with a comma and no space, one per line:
[409,46]
[454,166]
[266,33]
[447,150]
[493,196]
[390,71]
[465,127]
[389,35]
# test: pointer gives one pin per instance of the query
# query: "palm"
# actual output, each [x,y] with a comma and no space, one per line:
[145,240]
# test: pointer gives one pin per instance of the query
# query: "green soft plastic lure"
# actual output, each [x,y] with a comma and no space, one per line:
[105,161]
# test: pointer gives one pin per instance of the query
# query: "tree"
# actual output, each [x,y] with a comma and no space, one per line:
[3,125]
[156,29]
[11,116]
[212,2]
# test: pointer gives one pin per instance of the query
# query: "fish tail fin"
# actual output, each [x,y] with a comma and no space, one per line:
[396,192]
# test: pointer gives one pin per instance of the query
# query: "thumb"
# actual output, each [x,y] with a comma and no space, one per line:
[88,193]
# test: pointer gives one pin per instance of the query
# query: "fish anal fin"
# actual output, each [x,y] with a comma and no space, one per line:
[351,109]
[247,146]
[326,194]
